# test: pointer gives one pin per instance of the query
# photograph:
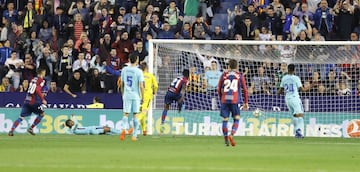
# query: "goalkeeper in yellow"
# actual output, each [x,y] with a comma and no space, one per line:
[151,87]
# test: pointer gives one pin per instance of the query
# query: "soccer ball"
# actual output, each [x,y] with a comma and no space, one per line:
[257,113]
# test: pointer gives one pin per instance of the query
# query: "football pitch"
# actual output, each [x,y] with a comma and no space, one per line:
[176,153]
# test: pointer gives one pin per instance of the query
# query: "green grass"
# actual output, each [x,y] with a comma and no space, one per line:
[26,153]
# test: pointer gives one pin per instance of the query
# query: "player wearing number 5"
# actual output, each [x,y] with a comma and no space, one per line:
[132,89]
[34,102]
[292,84]
[229,86]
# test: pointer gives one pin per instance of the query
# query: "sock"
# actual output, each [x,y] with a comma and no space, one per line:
[16,123]
[37,121]
[136,127]
[125,122]
[142,120]
[234,126]
[163,117]
[295,123]
[225,130]
[143,124]
[114,131]
[301,124]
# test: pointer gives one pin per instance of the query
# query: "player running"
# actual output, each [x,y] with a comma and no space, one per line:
[132,89]
[230,96]
[292,84]
[74,128]
[34,102]
[176,92]
[151,87]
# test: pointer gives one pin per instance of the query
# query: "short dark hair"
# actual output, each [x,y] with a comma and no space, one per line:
[291,67]
[143,66]
[97,99]
[67,123]
[39,70]
[133,57]
[233,64]
[186,73]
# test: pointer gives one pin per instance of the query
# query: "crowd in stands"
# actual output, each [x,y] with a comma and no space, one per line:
[83,44]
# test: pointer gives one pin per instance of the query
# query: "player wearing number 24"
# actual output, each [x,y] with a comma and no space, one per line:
[229,86]
[34,101]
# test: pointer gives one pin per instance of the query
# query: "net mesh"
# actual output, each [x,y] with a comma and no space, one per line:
[333,68]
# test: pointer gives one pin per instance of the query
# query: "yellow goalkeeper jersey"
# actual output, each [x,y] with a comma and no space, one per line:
[151,85]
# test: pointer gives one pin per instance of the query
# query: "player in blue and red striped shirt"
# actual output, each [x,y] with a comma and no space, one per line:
[176,92]
[34,101]
[229,93]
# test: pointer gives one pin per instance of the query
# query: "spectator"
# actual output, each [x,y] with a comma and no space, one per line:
[167,32]
[133,22]
[77,27]
[186,32]
[95,82]
[97,64]
[159,6]
[195,80]
[112,71]
[123,48]
[54,88]
[140,51]
[29,18]
[357,89]
[218,34]
[4,30]
[60,24]
[272,21]
[146,16]
[279,9]
[304,11]
[191,9]
[246,29]
[171,14]
[344,90]
[24,86]
[344,15]
[105,22]
[105,47]
[156,22]
[45,33]
[32,44]
[200,28]
[75,84]
[296,27]
[10,14]
[324,19]
[5,53]
[15,65]
[81,65]
[118,27]
[64,66]
[80,9]
[47,61]
[6,86]
[29,68]
[20,41]
[261,84]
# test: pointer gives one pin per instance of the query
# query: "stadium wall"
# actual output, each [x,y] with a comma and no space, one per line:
[205,123]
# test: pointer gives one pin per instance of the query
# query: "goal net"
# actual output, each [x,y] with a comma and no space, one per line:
[332,106]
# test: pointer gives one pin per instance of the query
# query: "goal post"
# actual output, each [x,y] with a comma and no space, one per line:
[331,106]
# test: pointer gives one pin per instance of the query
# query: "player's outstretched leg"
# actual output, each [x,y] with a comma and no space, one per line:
[15,124]
[225,131]
[36,122]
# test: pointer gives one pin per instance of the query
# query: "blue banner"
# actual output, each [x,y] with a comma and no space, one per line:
[64,101]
